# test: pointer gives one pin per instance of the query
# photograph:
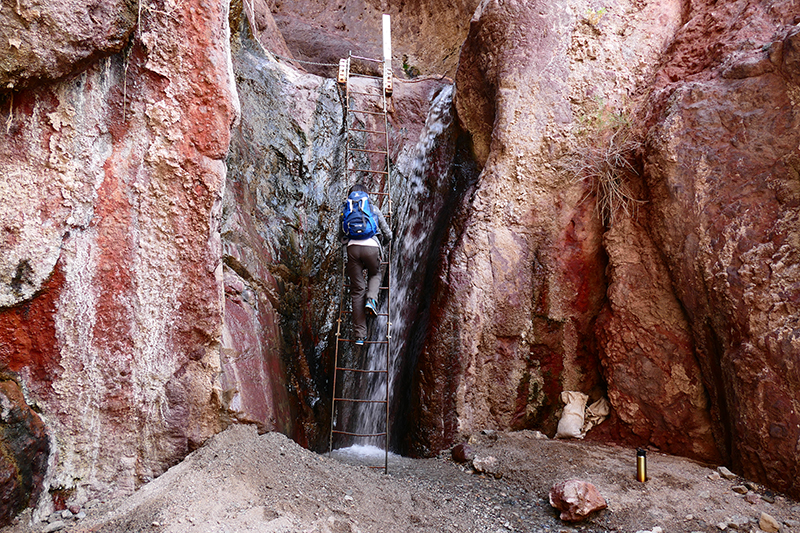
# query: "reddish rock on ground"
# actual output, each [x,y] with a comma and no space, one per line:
[576,499]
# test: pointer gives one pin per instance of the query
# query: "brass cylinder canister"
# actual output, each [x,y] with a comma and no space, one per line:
[641,465]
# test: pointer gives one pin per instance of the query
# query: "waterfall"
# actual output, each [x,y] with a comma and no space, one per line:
[421,184]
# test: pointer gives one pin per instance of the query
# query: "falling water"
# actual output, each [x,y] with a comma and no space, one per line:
[421,185]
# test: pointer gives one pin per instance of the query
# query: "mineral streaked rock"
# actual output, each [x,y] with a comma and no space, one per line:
[117,176]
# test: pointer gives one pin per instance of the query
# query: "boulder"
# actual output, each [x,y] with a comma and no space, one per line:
[768,523]
[487,465]
[576,499]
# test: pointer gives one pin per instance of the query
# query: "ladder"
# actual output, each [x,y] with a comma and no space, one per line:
[366,162]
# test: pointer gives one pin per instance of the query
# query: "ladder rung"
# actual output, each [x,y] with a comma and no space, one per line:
[368,170]
[367,131]
[359,434]
[368,151]
[367,76]
[379,314]
[357,400]
[367,59]
[366,94]
[360,370]
[342,339]
[366,112]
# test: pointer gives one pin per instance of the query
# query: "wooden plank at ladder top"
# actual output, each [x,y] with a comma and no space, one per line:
[344,70]
[387,55]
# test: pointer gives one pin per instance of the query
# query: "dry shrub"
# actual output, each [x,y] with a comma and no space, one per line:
[605,156]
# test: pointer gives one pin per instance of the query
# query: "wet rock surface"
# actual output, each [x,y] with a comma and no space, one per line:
[24,451]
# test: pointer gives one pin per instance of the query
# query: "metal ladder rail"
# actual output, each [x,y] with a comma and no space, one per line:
[383,194]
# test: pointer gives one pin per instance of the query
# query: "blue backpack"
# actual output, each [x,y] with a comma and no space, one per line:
[358,222]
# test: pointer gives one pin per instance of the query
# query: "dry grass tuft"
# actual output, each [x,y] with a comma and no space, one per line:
[605,157]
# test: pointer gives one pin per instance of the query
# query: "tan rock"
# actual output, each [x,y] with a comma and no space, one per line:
[768,523]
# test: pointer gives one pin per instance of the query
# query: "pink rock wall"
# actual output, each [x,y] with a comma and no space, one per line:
[683,314]
[526,279]
[721,166]
[111,277]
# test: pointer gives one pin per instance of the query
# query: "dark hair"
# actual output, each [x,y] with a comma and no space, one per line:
[357,187]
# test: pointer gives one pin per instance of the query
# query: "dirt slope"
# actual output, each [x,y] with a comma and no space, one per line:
[241,481]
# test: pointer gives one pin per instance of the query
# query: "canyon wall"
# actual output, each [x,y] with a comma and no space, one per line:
[721,168]
[678,304]
[110,277]
[169,266]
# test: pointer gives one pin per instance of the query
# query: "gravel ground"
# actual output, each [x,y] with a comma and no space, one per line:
[241,481]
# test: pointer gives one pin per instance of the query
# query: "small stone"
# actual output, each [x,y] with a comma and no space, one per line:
[80,516]
[487,465]
[348,498]
[66,514]
[74,509]
[462,453]
[740,489]
[768,523]
[794,524]
[54,526]
[738,522]
[156,524]
[714,476]
[768,497]
[752,486]
[722,526]
[752,497]
[724,472]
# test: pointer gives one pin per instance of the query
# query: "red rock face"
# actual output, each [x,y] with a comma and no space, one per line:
[116,176]
[46,41]
[25,447]
[253,375]
[426,36]
[721,167]
[648,353]
[695,326]
[525,280]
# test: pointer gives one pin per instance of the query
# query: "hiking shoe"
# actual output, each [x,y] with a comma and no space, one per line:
[360,341]
[372,307]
